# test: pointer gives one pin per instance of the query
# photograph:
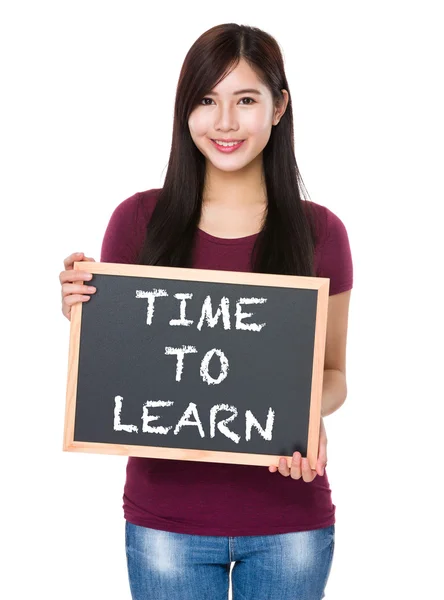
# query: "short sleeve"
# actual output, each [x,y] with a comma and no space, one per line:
[119,243]
[336,260]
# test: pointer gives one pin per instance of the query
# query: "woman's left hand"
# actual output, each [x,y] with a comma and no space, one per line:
[299,466]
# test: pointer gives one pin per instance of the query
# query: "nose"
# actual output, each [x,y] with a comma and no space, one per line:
[226,118]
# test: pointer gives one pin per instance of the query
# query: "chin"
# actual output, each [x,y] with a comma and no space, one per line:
[228,168]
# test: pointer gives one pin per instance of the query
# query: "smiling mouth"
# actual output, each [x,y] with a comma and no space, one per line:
[228,148]
[227,143]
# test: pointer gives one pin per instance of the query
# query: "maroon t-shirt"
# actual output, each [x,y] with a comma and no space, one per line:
[207,498]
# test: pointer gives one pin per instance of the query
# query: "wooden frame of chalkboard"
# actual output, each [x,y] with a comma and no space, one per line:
[111,334]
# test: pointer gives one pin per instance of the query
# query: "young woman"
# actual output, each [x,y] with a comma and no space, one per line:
[232,199]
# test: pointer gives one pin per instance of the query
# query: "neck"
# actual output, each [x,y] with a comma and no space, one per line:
[240,188]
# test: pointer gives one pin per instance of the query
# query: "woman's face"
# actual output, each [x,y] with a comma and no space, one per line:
[226,114]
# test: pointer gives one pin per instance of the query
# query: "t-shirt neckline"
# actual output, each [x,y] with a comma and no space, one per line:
[226,241]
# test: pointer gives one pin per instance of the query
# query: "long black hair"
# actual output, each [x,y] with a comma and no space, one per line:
[287,239]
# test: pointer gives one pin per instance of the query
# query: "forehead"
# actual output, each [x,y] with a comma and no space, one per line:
[242,76]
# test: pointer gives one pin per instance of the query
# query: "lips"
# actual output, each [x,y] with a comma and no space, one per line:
[228,149]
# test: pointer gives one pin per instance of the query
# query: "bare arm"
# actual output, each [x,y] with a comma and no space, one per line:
[334,390]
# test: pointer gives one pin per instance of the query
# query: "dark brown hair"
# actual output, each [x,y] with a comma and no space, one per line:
[286,241]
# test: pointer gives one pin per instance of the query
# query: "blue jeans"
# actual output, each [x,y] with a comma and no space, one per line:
[180,566]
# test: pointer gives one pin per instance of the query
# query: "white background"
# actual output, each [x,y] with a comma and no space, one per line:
[86,119]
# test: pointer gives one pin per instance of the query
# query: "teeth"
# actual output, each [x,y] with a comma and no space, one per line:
[226,143]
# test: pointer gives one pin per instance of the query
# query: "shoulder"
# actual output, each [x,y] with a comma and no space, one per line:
[138,206]
[133,213]
[126,228]
[327,222]
[147,201]
[333,257]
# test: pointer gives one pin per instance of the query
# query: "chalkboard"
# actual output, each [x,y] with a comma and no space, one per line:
[196,364]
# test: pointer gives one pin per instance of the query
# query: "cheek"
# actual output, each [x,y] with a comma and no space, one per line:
[258,123]
[198,124]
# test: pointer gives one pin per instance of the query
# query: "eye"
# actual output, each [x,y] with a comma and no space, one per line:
[248,98]
[245,98]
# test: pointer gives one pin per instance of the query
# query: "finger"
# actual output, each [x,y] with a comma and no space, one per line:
[70,301]
[69,276]
[74,298]
[69,260]
[321,463]
[322,449]
[283,467]
[73,288]
[322,455]
[320,467]
[307,473]
[272,468]
[296,472]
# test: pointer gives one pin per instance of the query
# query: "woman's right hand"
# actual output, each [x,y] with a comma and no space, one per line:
[73,288]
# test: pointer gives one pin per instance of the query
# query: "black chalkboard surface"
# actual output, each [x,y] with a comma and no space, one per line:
[197,365]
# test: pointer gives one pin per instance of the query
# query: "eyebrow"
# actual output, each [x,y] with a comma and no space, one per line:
[247,91]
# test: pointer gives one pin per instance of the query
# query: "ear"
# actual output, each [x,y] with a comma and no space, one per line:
[281,107]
